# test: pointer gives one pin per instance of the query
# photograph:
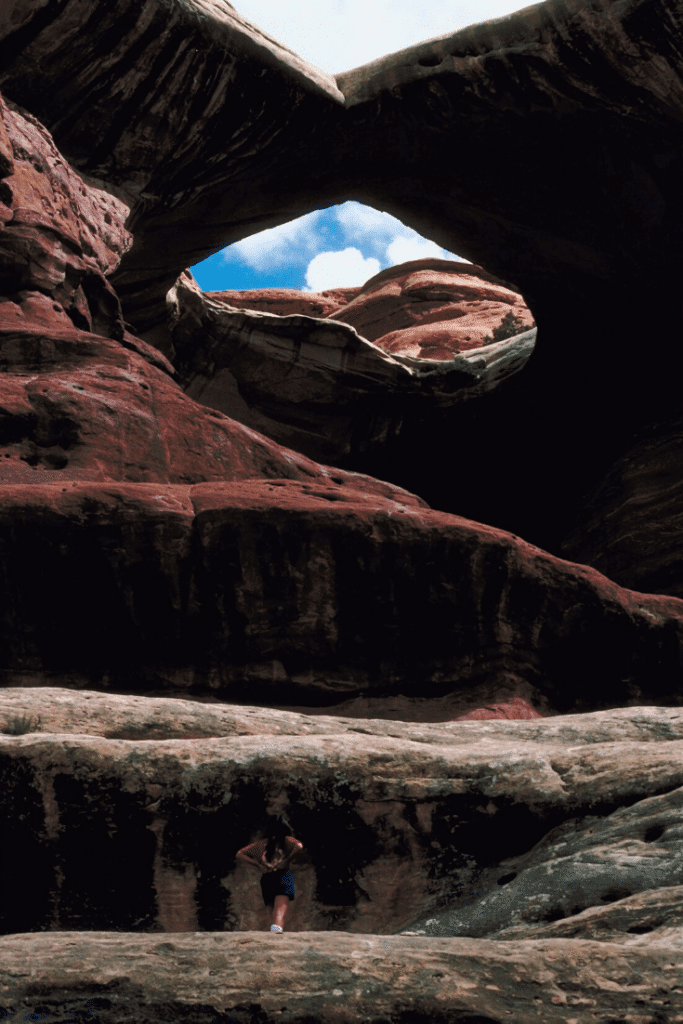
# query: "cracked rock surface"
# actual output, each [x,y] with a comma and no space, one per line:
[339,979]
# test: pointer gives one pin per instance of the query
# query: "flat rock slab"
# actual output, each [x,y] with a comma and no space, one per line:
[53,709]
[338,979]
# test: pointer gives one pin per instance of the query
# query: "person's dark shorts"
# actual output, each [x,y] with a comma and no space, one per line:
[276,883]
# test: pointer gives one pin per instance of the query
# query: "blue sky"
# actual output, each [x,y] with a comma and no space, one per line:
[339,247]
[344,245]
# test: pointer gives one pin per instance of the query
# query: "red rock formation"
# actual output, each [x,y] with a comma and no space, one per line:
[433,309]
[317,384]
[515,708]
[307,591]
[287,301]
[80,397]
[272,575]
[427,309]
[578,121]
[60,236]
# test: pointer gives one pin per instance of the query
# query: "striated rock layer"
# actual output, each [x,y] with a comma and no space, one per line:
[310,591]
[318,384]
[427,308]
[433,309]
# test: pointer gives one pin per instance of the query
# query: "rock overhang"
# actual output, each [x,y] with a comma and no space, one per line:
[451,814]
[193,603]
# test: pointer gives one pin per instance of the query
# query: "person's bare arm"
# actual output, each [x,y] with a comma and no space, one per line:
[248,857]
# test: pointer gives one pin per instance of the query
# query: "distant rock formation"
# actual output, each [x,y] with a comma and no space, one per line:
[317,384]
[427,308]
[434,309]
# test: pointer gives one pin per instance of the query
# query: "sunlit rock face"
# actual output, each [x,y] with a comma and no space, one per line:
[433,309]
[287,301]
[427,308]
[316,383]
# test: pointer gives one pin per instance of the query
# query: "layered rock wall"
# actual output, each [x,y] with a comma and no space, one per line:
[290,591]
[338,979]
[480,826]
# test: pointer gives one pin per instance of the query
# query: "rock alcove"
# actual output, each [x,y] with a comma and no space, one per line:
[441,632]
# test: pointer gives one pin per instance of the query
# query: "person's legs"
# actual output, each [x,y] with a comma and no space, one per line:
[280,909]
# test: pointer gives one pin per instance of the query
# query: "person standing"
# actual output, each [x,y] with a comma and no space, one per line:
[272,856]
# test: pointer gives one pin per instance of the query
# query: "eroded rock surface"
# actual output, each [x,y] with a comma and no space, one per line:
[311,590]
[317,382]
[433,309]
[515,708]
[428,308]
[247,136]
[488,825]
[339,979]
[286,301]
[147,542]
[60,236]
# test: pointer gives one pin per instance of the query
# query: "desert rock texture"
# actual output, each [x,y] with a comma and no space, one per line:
[398,563]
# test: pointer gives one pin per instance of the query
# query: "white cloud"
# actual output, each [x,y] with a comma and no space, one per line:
[388,238]
[403,249]
[277,247]
[336,35]
[344,269]
[364,224]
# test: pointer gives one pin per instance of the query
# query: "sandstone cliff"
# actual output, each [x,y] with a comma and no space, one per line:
[202,624]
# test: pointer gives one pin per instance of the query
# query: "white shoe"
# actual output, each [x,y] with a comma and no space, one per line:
[275,928]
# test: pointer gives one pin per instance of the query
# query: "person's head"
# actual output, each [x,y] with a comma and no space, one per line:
[276,832]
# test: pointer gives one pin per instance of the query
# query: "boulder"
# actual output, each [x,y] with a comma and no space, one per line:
[515,708]
[337,979]
[477,826]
